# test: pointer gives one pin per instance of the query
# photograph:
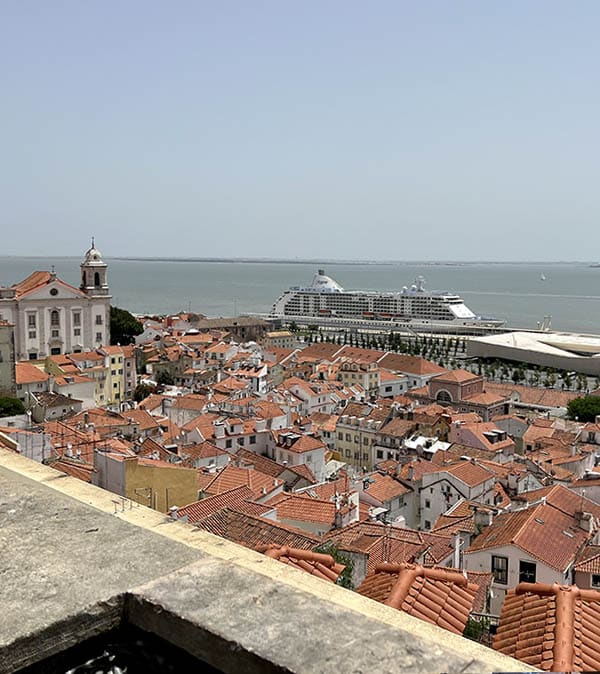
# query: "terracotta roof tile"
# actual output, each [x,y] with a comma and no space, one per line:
[317,564]
[439,596]
[252,531]
[385,488]
[303,509]
[545,532]
[588,560]
[398,362]
[552,627]
[239,498]
[231,477]
[457,376]
[26,373]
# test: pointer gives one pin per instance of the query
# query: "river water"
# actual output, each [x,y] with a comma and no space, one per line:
[521,293]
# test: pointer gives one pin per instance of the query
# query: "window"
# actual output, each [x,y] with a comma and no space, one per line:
[55,333]
[527,572]
[309,458]
[365,441]
[99,322]
[98,336]
[54,318]
[31,320]
[55,351]
[340,436]
[427,524]
[252,439]
[32,334]
[113,372]
[228,444]
[33,356]
[115,385]
[380,453]
[121,371]
[388,389]
[348,437]
[77,332]
[595,580]
[241,442]
[500,569]
[348,454]
[76,318]
[365,456]
[427,503]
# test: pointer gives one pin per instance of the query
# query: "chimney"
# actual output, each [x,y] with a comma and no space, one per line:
[219,429]
[585,521]
[457,540]
[173,512]
[482,518]
[411,473]
[86,418]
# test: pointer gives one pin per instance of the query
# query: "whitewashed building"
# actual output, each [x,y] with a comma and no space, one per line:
[51,317]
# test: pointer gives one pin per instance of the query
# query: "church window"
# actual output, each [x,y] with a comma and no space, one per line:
[53,291]
[96,279]
[76,318]
[99,319]
[98,336]
[31,320]
[54,317]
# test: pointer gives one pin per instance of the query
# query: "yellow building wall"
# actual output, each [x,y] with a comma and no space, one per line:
[160,487]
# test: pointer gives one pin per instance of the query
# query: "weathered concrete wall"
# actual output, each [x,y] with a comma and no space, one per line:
[75,563]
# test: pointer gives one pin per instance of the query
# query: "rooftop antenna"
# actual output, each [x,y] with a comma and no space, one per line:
[93,242]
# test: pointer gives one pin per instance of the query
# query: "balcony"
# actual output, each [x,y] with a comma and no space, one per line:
[78,562]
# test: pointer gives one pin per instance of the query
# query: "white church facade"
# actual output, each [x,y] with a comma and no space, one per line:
[51,317]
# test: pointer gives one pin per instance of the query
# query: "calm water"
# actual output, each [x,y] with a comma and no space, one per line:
[570,293]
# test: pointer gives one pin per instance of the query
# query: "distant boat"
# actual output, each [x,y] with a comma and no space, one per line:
[595,265]
[542,277]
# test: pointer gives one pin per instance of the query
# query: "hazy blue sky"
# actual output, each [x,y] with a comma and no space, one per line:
[350,129]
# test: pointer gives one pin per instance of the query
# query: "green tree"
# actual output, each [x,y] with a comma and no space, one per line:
[123,326]
[164,378]
[9,407]
[586,408]
[142,391]
[345,578]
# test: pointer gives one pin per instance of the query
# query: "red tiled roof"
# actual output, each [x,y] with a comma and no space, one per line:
[411,364]
[315,563]
[232,476]
[385,488]
[79,469]
[239,498]
[26,373]
[552,627]
[252,531]
[302,509]
[457,376]
[588,560]
[439,596]
[543,531]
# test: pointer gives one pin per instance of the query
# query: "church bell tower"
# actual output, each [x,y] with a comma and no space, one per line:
[94,281]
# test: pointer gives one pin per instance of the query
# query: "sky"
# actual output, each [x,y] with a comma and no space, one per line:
[317,129]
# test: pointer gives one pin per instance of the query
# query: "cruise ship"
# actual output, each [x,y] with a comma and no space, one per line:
[325,302]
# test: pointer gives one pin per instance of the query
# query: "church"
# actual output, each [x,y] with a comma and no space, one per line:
[51,317]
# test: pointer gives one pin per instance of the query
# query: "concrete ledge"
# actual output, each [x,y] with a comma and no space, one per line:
[65,552]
